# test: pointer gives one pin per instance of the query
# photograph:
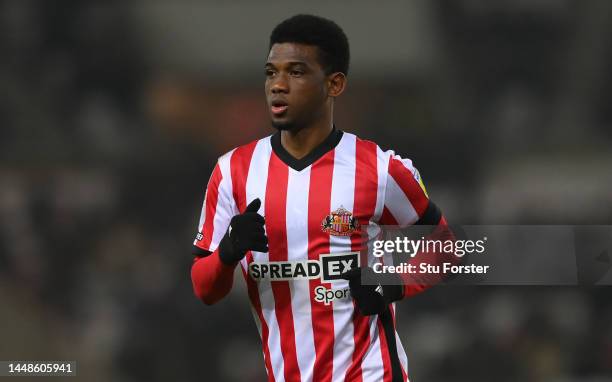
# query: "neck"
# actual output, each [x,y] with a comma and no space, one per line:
[301,142]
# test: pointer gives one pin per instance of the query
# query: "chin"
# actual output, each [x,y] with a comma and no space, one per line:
[283,125]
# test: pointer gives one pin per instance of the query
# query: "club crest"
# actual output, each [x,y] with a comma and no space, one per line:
[340,222]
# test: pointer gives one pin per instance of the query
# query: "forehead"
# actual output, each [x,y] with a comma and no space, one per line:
[291,52]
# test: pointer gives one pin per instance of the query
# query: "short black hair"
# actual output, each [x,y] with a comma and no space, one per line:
[313,30]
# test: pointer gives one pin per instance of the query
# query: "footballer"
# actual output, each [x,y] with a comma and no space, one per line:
[295,212]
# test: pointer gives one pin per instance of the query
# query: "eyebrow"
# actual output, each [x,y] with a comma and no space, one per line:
[290,63]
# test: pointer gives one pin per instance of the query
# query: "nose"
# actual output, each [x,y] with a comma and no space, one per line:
[280,84]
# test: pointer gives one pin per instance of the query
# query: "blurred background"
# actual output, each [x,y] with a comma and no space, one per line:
[112,115]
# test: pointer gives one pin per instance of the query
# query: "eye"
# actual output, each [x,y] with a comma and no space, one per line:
[296,72]
[269,72]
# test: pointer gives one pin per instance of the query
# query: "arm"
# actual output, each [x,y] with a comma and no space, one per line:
[419,282]
[211,278]
[212,274]
[406,203]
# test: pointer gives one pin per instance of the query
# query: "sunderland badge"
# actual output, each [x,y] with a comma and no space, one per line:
[340,222]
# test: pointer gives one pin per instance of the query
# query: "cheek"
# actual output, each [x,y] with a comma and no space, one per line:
[313,95]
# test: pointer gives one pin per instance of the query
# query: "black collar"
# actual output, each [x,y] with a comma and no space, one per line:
[328,144]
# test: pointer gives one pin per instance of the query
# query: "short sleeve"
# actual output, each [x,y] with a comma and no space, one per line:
[217,211]
[406,199]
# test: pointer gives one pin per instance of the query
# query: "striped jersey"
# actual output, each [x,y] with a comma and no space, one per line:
[321,212]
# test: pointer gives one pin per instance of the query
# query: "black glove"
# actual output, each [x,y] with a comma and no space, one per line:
[245,233]
[371,291]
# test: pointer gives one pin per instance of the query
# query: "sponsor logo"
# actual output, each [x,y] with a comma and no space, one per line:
[340,222]
[199,236]
[326,296]
[328,268]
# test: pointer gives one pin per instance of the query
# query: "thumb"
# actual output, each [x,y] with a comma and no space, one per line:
[253,206]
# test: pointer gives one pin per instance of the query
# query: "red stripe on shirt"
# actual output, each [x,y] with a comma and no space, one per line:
[387,218]
[265,332]
[319,206]
[276,228]
[239,169]
[212,195]
[411,188]
[366,192]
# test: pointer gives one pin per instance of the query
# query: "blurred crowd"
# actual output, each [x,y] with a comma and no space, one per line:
[105,155]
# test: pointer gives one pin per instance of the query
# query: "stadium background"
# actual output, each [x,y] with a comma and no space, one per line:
[112,115]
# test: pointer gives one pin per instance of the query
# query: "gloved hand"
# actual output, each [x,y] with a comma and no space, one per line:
[245,233]
[371,291]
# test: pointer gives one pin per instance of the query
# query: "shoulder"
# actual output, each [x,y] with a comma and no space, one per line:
[243,152]
[387,156]
[363,148]
[403,172]
[394,165]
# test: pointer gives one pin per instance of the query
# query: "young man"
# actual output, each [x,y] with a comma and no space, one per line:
[296,211]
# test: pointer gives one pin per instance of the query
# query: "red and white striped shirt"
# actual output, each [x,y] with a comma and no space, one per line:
[313,208]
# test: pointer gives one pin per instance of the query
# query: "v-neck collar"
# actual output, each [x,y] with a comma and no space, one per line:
[324,147]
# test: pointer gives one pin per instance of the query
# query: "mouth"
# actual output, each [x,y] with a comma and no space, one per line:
[279,107]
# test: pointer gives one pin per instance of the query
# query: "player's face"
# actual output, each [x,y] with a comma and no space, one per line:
[296,86]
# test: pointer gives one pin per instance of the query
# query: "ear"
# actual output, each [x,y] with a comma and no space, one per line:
[336,82]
